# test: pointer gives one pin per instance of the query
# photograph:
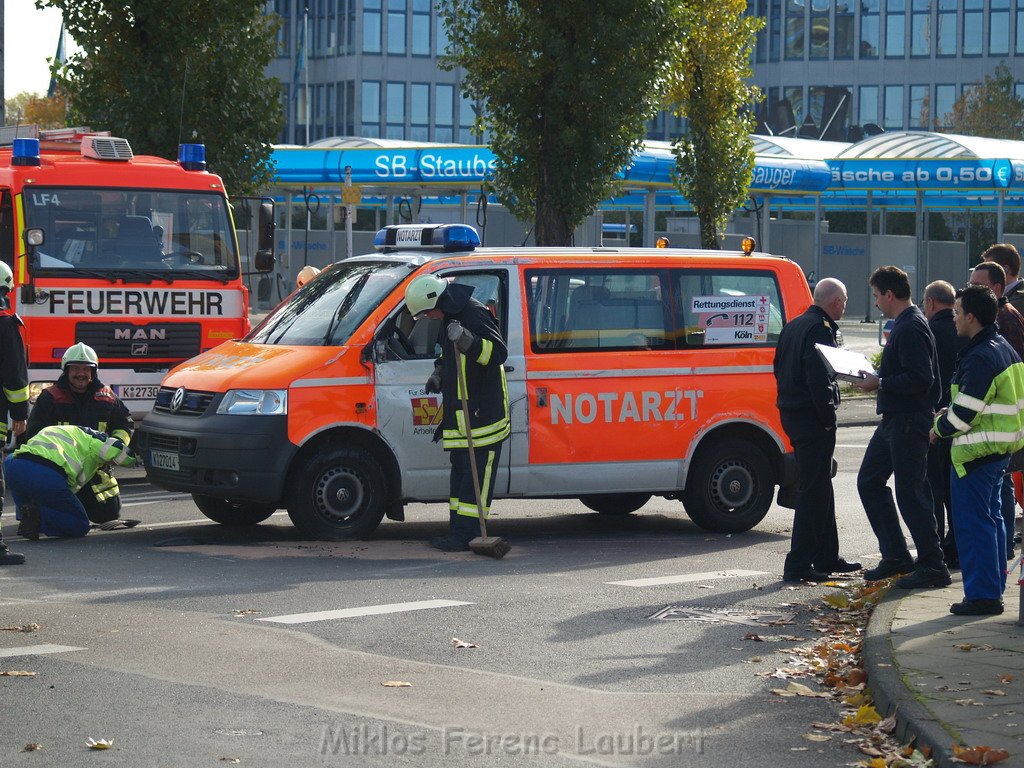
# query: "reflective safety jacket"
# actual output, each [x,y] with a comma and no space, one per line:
[13,373]
[985,418]
[483,366]
[97,408]
[78,451]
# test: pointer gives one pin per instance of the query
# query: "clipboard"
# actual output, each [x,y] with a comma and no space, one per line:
[844,364]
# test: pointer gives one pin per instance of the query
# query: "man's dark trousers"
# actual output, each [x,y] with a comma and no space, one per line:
[815,540]
[899,447]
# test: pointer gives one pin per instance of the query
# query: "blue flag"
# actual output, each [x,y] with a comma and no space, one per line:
[60,58]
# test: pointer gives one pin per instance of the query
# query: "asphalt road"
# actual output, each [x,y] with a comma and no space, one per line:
[185,642]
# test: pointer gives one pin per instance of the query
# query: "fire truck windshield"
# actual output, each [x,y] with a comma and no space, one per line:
[145,232]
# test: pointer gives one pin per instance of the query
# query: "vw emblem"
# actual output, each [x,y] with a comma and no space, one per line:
[177,399]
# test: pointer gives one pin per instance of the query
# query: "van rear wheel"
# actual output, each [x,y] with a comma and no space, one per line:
[730,487]
[232,512]
[337,494]
[615,503]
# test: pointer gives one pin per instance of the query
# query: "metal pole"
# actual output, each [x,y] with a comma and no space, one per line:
[350,212]
[649,217]
[305,69]
[870,229]
[919,266]
[463,206]
[817,238]
[1000,197]
[766,245]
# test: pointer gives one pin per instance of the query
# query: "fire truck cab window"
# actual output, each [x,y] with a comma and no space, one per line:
[131,231]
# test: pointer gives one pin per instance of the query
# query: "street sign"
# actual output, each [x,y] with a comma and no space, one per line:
[352,195]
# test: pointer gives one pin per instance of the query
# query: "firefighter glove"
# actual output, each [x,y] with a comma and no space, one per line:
[460,337]
[433,385]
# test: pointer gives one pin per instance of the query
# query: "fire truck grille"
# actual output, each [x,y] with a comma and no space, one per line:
[194,403]
[158,341]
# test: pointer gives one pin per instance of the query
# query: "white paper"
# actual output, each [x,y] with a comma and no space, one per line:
[844,363]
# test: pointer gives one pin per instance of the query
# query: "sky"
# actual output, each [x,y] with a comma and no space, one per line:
[30,38]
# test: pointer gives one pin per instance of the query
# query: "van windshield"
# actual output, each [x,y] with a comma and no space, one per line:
[327,310]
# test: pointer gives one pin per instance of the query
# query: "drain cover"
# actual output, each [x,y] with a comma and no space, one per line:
[749,617]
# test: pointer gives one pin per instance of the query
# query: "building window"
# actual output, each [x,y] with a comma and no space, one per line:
[945,29]
[284,38]
[821,29]
[796,20]
[444,108]
[467,118]
[441,39]
[396,27]
[419,112]
[893,107]
[370,109]
[844,29]
[895,29]
[869,27]
[346,27]
[421,19]
[1018,47]
[394,111]
[867,104]
[999,28]
[371,26]
[775,30]
[794,95]
[974,17]
[945,96]
[921,27]
[920,117]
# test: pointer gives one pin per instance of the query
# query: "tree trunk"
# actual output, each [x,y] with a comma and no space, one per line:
[708,232]
[550,226]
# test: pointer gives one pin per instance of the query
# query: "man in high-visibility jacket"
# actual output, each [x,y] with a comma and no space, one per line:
[49,469]
[472,329]
[985,422]
[13,387]
[80,398]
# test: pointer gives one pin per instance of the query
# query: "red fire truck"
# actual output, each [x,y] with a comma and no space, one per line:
[136,256]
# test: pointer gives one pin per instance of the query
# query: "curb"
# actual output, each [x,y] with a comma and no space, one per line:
[914,721]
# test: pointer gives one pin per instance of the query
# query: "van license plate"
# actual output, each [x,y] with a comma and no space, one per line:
[136,391]
[163,460]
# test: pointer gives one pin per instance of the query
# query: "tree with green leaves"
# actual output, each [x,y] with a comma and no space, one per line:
[990,109]
[709,86]
[566,88]
[164,72]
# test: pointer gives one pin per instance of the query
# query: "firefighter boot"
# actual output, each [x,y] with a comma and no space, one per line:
[7,557]
[462,530]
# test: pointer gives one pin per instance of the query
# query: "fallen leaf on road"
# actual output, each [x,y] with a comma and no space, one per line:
[817,737]
[32,747]
[888,725]
[244,612]
[705,586]
[231,760]
[1006,678]
[396,684]
[829,727]
[973,647]
[877,762]
[24,628]
[99,744]
[753,636]
[799,689]
[839,601]
[979,755]
[456,643]
[994,692]
[16,673]
[866,715]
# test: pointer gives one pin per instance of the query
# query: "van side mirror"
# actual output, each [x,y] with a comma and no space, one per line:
[264,259]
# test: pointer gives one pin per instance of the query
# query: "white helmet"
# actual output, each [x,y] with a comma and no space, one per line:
[6,277]
[306,274]
[423,293]
[80,354]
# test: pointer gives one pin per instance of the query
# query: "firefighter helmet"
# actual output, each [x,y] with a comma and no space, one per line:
[306,274]
[422,294]
[6,277]
[80,354]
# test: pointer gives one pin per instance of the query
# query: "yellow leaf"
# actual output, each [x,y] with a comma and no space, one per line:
[817,737]
[866,715]
[837,601]
[99,744]
[16,673]
[877,762]
[396,684]
[979,755]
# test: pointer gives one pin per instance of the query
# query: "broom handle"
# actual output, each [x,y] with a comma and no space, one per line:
[464,394]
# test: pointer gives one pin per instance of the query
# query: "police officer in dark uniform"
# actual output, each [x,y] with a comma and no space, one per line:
[472,329]
[79,398]
[13,386]
[807,402]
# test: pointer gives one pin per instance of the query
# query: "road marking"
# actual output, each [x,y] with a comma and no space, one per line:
[850,445]
[38,650]
[682,578]
[369,610]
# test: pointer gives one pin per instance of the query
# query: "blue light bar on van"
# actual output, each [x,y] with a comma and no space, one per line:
[431,237]
[192,157]
[25,152]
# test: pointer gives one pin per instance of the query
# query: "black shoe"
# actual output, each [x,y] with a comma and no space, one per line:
[953,563]
[982,607]
[450,543]
[28,528]
[10,558]
[890,566]
[925,577]
[841,566]
[809,575]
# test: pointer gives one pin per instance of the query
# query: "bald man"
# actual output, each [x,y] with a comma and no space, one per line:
[807,402]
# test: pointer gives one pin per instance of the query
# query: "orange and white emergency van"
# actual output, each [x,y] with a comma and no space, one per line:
[135,256]
[631,373]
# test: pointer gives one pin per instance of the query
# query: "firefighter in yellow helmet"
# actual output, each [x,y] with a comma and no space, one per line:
[13,386]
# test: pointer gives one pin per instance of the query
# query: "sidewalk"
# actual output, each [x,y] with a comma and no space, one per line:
[950,679]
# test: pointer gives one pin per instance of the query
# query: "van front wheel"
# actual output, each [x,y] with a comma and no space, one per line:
[615,503]
[337,494]
[232,512]
[729,488]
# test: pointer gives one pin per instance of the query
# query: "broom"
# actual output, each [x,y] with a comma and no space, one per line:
[488,546]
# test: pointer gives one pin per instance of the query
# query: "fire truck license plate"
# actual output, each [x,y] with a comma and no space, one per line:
[136,391]
[163,460]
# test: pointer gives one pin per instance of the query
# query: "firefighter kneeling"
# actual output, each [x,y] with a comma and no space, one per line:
[47,471]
